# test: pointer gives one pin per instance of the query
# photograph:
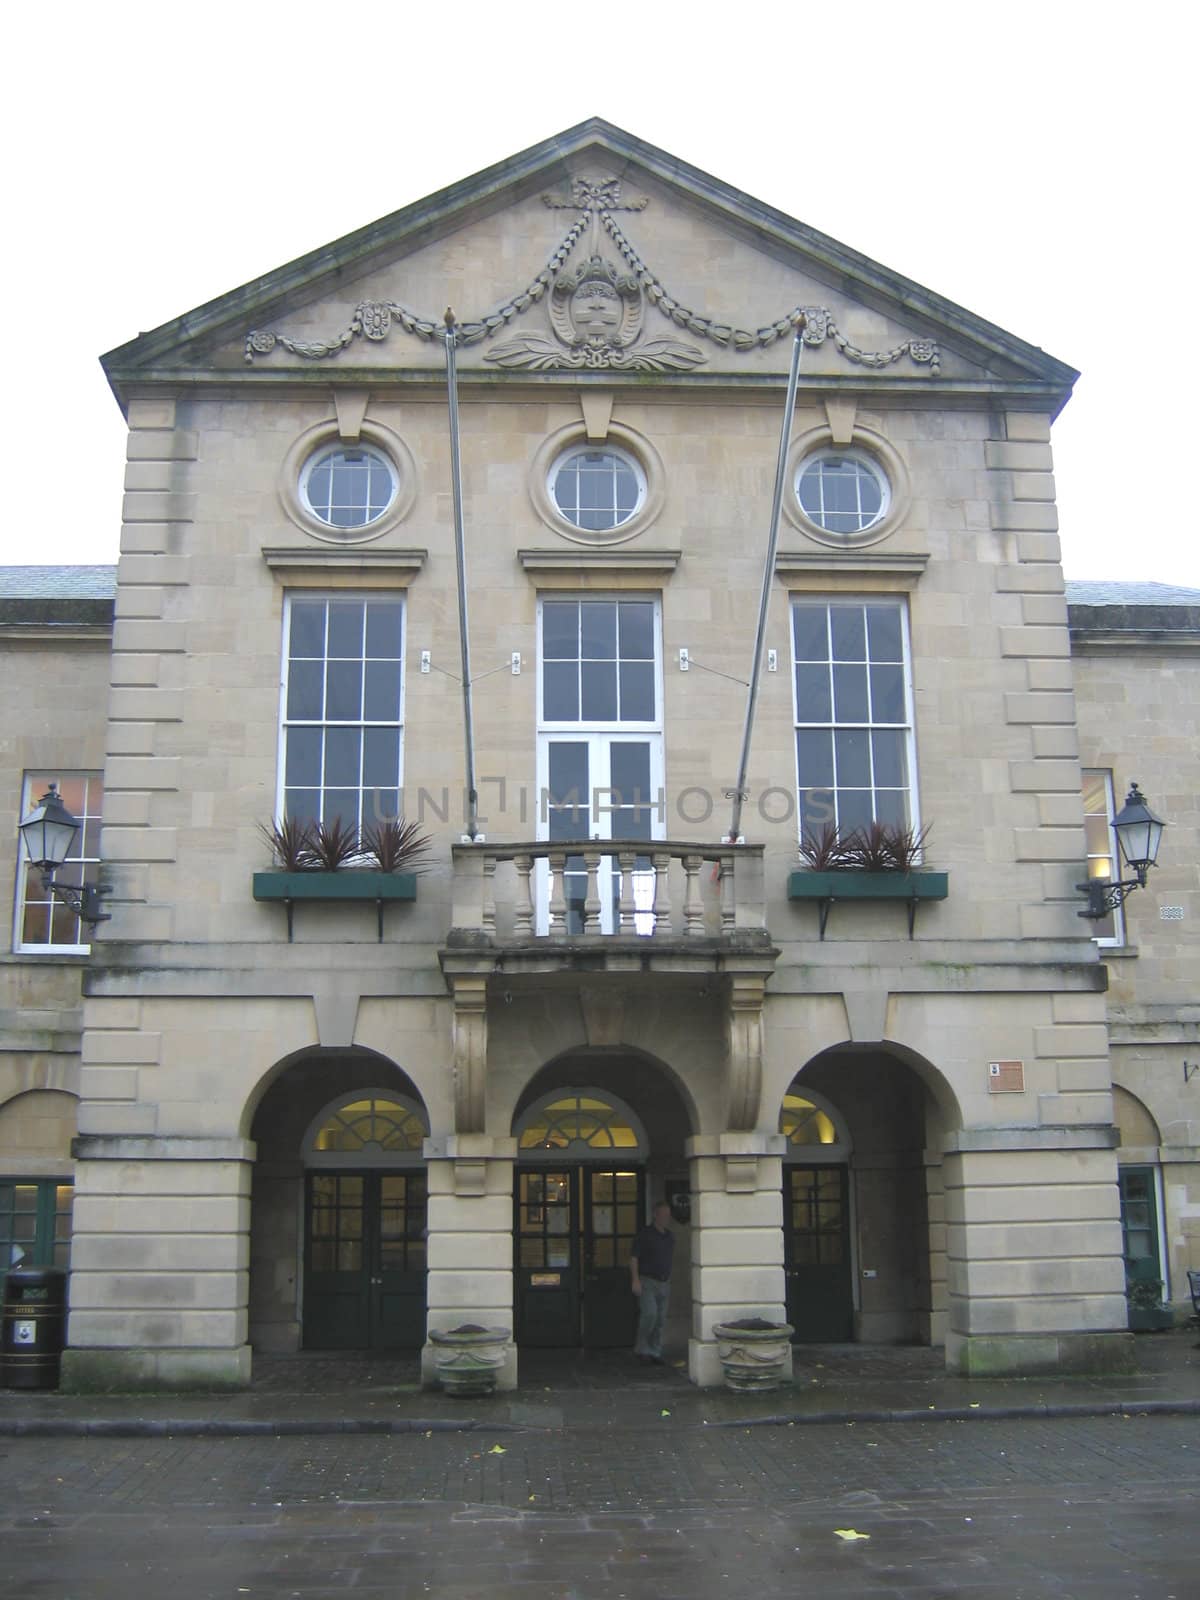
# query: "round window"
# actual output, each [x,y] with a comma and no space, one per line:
[348,487]
[842,492]
[597,489]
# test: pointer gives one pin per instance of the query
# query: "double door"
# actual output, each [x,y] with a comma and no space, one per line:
[816,1253]
[365,1260]
[573,1232]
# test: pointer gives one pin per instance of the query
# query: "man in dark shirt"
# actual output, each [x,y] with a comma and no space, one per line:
[650,1279]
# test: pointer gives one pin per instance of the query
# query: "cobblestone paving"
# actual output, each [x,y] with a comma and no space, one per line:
[1099,1509]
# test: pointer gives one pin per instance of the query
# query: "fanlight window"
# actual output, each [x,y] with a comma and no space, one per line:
[371,1125]
[578,1124]
[803,1123]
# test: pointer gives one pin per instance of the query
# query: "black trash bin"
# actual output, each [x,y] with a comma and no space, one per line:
[32,1327]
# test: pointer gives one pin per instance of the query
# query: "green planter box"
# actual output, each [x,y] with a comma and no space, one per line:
[826,887]
[351,884]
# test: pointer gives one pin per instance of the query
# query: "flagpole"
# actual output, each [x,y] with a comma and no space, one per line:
[460,561]
[738,793]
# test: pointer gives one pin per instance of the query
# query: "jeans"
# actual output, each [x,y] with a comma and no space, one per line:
[652,1318]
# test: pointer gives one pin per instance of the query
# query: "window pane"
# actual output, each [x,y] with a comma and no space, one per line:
[383,629]
[568,776]
[853,753]
[814,758]
[303,763]
[343,691]
[629,772]
[560,630]
[848,633]
[637,691]
[307,634]
[811,632]
[884,632]
[381,758]
[381,694]
[346,628]
[304,805]
[343,751]
[560,691]
[887,694]
[849,694]
[637,630]
[598,697]
[854,809]
[306,681]
[891,759]
[598,630]
[814,701]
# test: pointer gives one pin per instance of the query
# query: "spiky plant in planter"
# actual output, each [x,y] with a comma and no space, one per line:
[823,850]
[884,847]
[394,845]
[291,842]
[333,844]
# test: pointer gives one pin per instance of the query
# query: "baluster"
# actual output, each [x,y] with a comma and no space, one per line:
[626,860]
[523,909]
[489,894]
[558,893]
[591,905]
[662,893]
[728,869]
[693,909]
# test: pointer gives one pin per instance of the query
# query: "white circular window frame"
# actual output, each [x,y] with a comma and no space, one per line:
[323,436]
[875,452]
[620,441]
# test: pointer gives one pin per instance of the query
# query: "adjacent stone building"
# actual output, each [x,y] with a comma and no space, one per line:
[341,1109]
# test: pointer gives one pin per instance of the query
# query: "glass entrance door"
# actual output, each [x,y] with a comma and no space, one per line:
[1139,1231]
[816,1240]
[574,1228]
[364,1282]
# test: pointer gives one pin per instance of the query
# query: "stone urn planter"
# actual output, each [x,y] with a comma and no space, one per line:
[753,1353]
[468,1358]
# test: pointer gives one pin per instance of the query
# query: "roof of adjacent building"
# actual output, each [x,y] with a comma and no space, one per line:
[1117,592]
[58,583]
[57,601]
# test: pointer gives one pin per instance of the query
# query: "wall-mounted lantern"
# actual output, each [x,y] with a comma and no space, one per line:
[48,833]
[1139,834]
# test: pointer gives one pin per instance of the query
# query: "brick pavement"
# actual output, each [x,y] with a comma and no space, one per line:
[1098,1509]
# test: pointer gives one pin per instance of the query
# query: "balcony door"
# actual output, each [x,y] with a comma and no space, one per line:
[600,744]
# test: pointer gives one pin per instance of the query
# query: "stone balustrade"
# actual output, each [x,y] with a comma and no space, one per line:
[592,890]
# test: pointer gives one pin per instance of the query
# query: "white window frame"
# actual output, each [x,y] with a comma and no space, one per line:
[603,448]
[391,596]
[340,447]
[600,737]
[862,460]
[1116,938]
[34,782]
[908,727]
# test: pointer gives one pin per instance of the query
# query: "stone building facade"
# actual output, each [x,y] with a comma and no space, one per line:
[341,1110]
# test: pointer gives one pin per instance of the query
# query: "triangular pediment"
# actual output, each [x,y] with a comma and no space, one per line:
[590,253]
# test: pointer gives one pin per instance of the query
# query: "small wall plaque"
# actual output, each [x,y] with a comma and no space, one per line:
[545,1280]
[1006,1077]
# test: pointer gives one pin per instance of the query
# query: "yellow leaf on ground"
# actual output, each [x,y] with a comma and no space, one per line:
[850,1535]
[497,1450]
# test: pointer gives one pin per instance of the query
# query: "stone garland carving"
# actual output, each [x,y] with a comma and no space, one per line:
[596,312]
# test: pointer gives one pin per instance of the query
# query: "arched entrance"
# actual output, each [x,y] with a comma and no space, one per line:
[601,1135]
[1139,1173]
[580,1199]
[366,1198]
[858,1121]
[817,1232]
[338,1207]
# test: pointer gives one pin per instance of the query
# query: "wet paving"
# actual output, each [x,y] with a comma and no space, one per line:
[1086,1509]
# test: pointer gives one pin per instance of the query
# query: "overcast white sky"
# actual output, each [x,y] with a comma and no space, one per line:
[1033,162]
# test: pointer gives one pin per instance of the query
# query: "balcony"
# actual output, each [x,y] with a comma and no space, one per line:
[607,906]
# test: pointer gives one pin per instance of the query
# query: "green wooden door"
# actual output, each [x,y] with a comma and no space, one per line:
[614,1204]
[548,1256]
[816,1237]
[1143,1263]
[364,1281]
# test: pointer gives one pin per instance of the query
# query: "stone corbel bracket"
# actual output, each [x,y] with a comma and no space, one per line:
[744,1048]
[470,1037]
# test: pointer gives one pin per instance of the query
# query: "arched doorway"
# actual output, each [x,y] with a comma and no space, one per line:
[580,1199]
[1143,1243]
[860,1186]
[338,1202]
[366,1197]
[817,1231]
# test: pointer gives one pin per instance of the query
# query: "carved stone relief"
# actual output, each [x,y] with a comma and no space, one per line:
[596,311]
